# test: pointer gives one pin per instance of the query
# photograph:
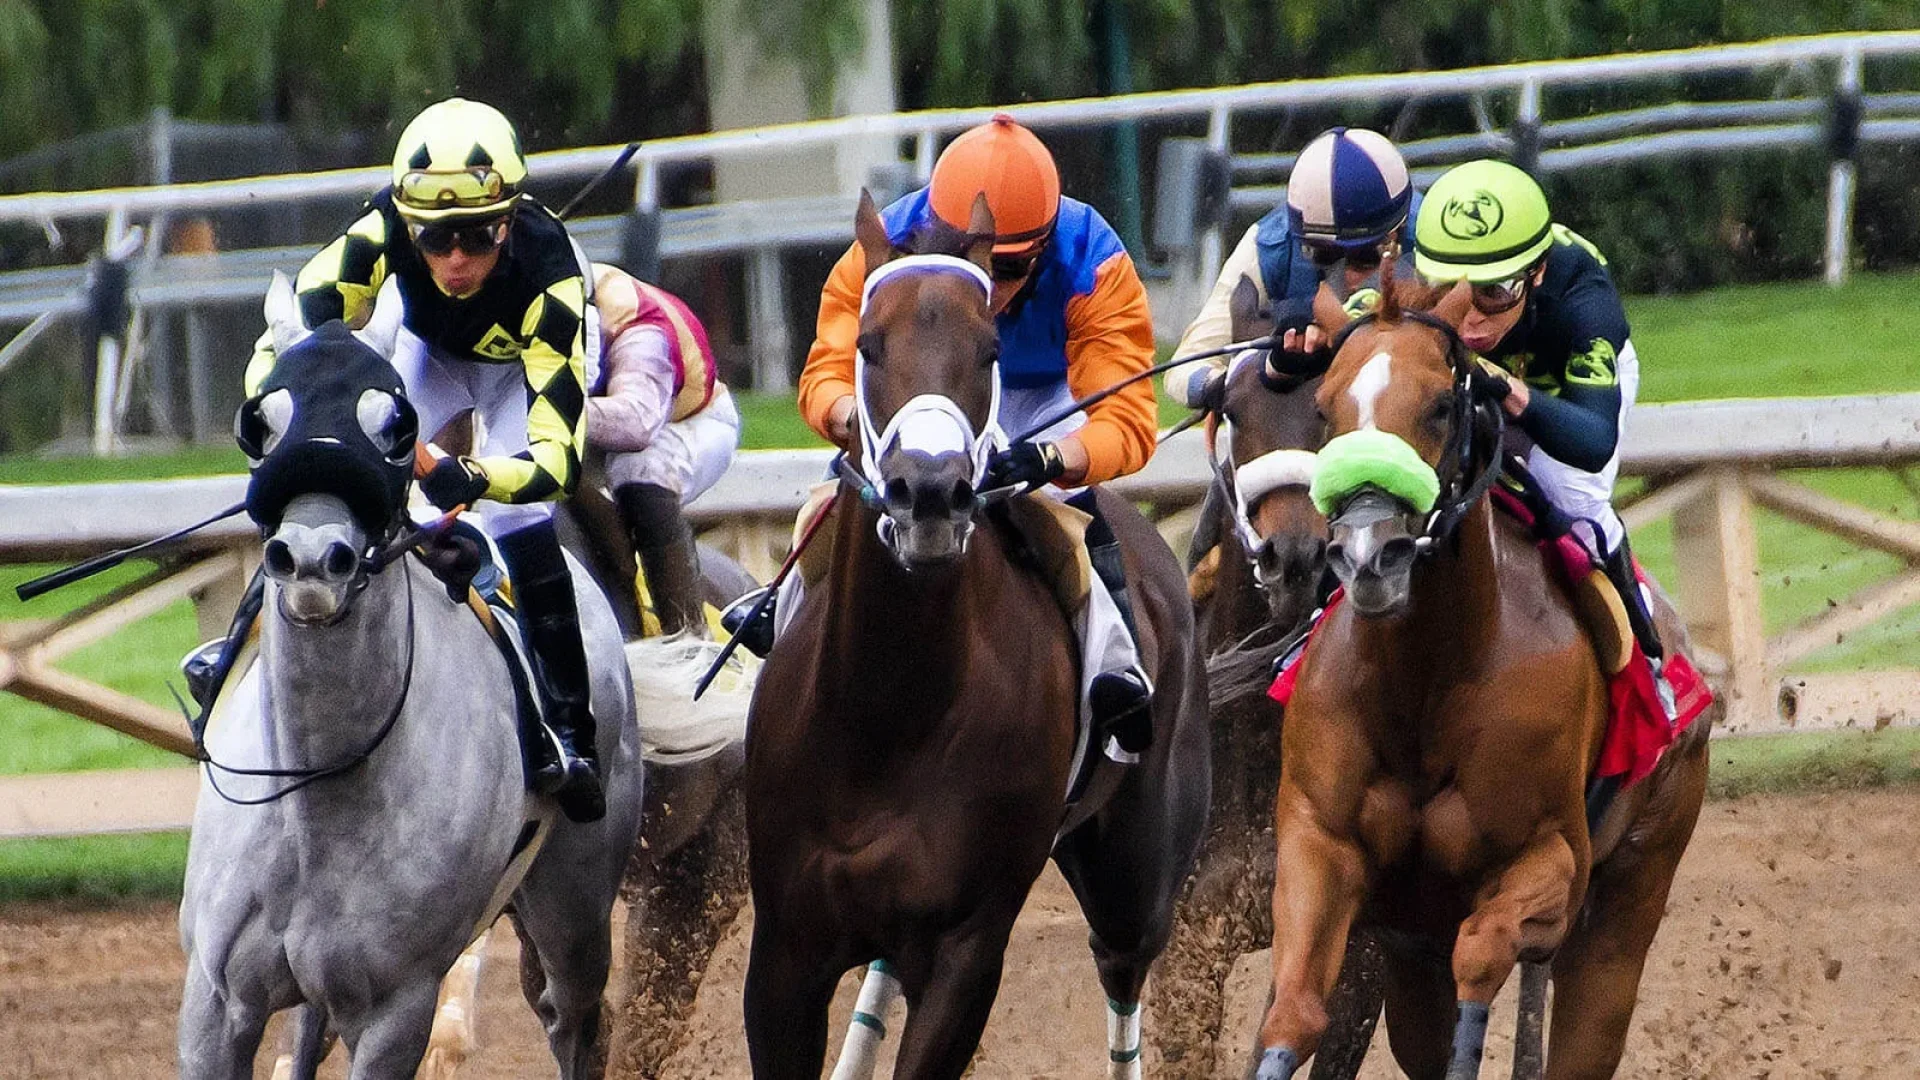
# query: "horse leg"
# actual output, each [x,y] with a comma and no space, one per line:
[1419,991]
[1318,886]
[860,1053]
[312,1041]
[218,1034]
[567,922]
[389,1042]
[789,989]
[949,995]
[1353,1010]
[1525,910]
[1596,974]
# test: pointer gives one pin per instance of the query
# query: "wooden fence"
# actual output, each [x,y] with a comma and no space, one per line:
[1707,466]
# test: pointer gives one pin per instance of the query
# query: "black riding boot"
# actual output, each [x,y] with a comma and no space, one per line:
[1619,569]
[663,541]
[1121,701]
[543,597]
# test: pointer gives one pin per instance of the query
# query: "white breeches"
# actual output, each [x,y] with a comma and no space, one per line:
[687,456]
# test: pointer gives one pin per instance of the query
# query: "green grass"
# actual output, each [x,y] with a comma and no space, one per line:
[1813,761]
[1797,340]
[93,870]
[1780,340]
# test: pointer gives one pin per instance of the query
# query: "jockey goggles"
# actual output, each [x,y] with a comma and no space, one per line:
[437,190]
[1008,269]
[1361,257]
[1499,297]
[475,239]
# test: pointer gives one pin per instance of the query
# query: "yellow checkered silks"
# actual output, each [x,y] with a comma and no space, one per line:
[554,356]
[339,282]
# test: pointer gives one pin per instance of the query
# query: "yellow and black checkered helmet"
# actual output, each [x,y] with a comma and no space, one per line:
[457,159]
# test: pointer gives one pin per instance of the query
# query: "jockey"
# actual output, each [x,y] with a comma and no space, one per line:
[1073,319]
[1348,200]
[670,429]
[1546,312]
[498,318]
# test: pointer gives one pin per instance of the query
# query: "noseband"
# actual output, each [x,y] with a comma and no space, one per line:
[1247,484]
[1475,429]
[927,423]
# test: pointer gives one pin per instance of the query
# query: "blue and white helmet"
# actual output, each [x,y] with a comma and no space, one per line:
[1349,187]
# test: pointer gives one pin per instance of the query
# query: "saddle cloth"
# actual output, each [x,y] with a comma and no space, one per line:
[1637,729]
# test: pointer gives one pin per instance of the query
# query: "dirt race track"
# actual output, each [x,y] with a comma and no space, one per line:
[1791,949]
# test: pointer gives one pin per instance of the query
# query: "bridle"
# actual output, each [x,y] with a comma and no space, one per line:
[927,423]
[1246,484]
[400,536]
[1474,432]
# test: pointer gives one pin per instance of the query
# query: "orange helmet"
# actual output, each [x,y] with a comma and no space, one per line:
[1009,165]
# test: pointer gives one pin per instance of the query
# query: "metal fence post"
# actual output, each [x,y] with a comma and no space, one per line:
[767,334]
[1526,127]
[1843,145]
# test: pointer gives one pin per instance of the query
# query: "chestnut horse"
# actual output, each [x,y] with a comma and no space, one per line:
[913,734]
[1252,594]
[1440,739]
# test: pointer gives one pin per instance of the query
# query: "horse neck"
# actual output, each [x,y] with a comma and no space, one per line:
[330,688]
[890,632]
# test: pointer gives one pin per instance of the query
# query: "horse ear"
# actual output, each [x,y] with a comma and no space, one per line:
[1328,313]
[383,323]
[1389,288]
[980,234]
[1243,308]
[871,233]
[1453,307]
[283,314]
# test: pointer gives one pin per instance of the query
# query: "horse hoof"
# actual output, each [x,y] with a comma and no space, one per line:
[1278,1063]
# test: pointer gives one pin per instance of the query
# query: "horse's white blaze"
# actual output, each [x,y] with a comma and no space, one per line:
[1367,386]
[1123,1041]
[868,1029]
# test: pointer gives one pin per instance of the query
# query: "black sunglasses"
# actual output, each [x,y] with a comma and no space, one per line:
[1363,258]
[1012,268]
[470,239]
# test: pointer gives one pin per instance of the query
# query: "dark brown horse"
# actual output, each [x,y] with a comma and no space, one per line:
[912,735]
[1438,745]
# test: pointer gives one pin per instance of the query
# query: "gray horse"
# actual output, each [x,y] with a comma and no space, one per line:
[354,894]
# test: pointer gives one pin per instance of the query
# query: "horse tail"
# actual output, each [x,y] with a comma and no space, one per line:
[674,725]
[1244,669]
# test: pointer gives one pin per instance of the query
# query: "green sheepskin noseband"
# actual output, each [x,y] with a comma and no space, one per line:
[1371,456]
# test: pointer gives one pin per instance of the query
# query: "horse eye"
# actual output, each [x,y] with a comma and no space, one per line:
[869,345]
[390,423]
[263,422]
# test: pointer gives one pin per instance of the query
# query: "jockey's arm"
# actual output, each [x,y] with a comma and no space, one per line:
[1213,327]
[340,282]
[1581,425]
[827,379]
[1110,337]
[639,395]
[555,359]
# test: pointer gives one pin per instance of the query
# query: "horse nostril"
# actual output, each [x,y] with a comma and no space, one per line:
[899,496]
[962,495]
[1339,562]
[279,558]
[339,560]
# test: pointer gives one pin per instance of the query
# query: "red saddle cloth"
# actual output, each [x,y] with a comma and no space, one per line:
[1637,728]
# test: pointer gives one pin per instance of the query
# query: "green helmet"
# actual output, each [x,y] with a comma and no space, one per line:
[1484,221]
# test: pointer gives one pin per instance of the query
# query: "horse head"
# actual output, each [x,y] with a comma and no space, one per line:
[1271,433]
[1402,430]
[330,439]
[927,385]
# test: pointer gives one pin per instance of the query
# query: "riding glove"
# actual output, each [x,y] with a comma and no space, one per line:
[1487,383]
[1032,464]
[454,481]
